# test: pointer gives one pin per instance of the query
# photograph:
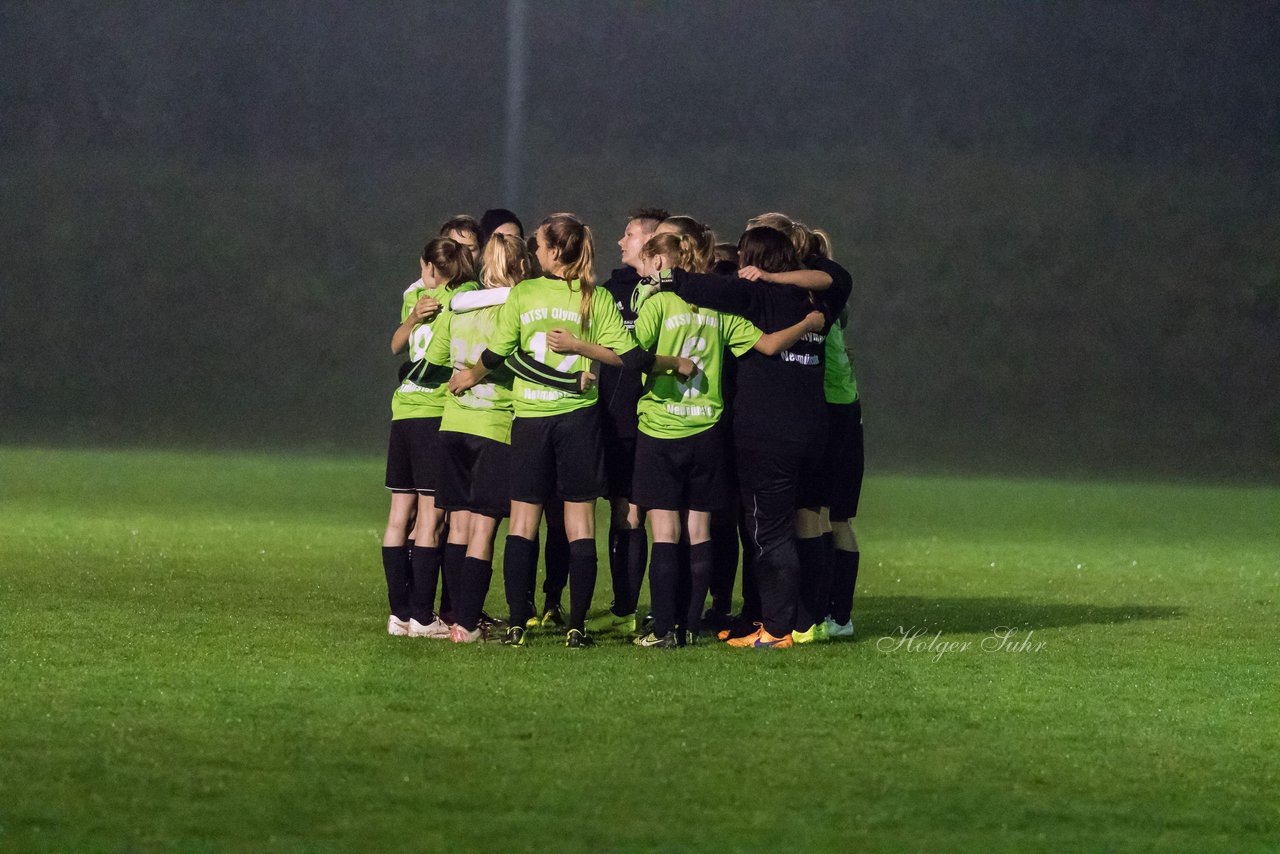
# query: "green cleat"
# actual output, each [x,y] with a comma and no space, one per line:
[611,623]
[803,637]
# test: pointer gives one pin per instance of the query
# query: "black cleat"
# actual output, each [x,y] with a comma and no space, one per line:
[578,640]
[514,636]
[667,641]
[552,616]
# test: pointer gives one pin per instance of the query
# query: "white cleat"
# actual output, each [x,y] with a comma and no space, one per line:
[839,630]
[397,627]
[460,635]
[437,629]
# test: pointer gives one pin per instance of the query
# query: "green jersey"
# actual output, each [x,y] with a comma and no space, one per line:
[411,400]
[838,381]
[485,409]
[671,408]
[534,308]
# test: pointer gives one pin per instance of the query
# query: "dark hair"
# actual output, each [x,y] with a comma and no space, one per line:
[531,244]
[493,219]
[725,259]
[655,214]
[768,249]
[464,223]
[451,260]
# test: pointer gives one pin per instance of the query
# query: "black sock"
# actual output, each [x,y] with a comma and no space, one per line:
[815,582]
[519,564]
[683,583]
[844,577]
[454,553]
[557,558]
[701,569]
[724,545]
[472,589]
[582,581]
[619,574]
[664,566]
[533,579]
[637,545]
[394,566]
[422,593]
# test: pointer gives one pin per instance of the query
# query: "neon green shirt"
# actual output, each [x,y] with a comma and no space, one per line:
[411,400]
[838,382]
[486,408]
[534,308]
[671,408]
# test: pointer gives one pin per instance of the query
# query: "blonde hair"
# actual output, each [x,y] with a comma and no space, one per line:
[505,262]
[677,249]
[574,246]
[702,240]
[807,241]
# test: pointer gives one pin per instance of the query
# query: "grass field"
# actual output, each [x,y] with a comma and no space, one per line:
[193,657]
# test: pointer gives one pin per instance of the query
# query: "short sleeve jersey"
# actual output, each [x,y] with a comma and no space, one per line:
[672,408]
[411,400]
[485,409]
[838,382]
[534,308]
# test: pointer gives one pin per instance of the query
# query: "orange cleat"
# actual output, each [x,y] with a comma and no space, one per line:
[761,638]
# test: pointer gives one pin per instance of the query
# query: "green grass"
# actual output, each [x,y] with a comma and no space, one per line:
[193,657]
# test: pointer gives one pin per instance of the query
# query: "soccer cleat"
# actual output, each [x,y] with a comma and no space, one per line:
[578,640]
[437,629]
[609,622]
[532,623]
[552,616]
[692,638]
[458,634]
[514,636]
[738,630]
[820,631]
[806,636]
[397,627]
[838,630]
[667,641]
[761,639]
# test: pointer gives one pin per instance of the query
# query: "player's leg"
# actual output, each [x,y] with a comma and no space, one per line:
[395,550]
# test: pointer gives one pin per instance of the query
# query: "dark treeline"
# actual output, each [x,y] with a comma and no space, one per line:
[1061,218]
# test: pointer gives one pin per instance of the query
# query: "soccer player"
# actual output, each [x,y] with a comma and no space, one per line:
[680,475]
[555,438]
[499,221]
[779,419]
[416,408]
[464,230]
[619,392]
[475,437]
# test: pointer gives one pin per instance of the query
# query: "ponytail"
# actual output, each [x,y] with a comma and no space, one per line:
[452,261]
[574,245]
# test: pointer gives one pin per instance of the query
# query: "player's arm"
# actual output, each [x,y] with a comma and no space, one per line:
[564,341]
[723,293]
[423,311]
[812,280]
[773,343]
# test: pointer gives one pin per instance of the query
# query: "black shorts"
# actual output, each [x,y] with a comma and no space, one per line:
[681,474]
[844,464]
[619,463]
[557,457]
[411,455]
[475,474]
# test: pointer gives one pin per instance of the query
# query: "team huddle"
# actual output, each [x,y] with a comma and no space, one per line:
[705,389]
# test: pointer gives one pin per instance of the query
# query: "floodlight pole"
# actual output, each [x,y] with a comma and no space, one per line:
[517,13]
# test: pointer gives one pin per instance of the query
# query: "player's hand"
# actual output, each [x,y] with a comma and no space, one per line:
[425,309]
[562,341]
[815,321]
[685,368]
[586,380]
[463,380]
[753,273]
